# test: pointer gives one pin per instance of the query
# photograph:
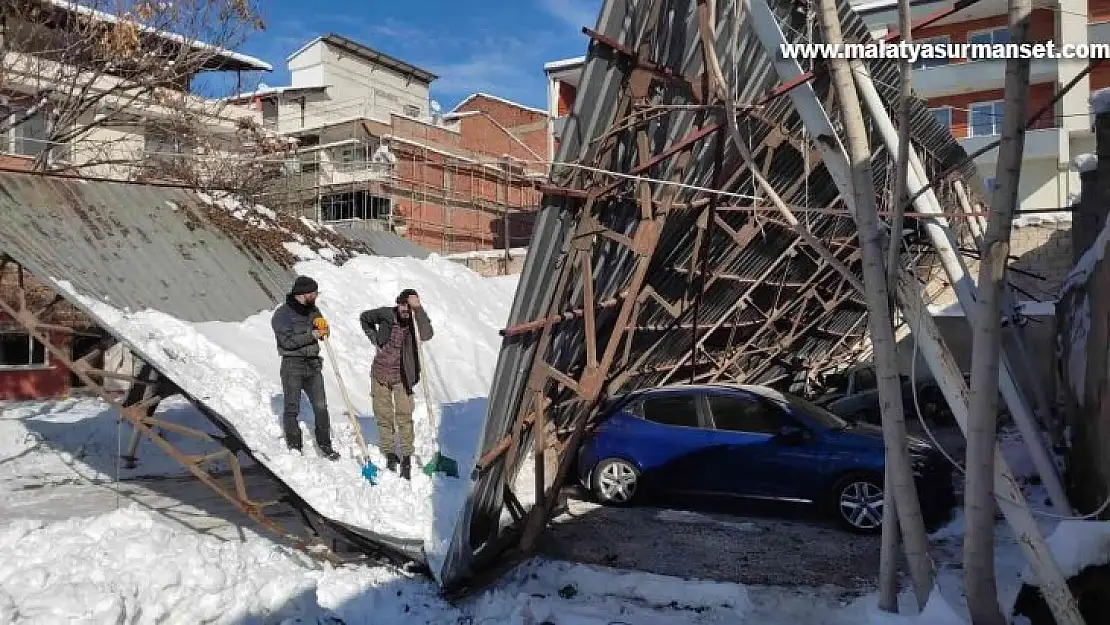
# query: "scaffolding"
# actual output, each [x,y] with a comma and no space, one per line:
[445,198]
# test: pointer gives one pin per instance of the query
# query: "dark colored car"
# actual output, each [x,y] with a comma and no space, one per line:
[860,401]
[751,442]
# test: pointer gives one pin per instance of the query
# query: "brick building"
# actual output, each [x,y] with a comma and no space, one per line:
[27,369]
[376,152]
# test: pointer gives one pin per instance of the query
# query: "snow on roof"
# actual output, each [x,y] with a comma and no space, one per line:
[497,99]
[264,90]
[461,114]
[563,64]
[249,61]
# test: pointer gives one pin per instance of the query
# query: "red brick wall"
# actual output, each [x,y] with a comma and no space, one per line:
[1099,77]
[567,93]
[46,383]
[433,216]
[1042,27]
[480,134]
[8,161]
[1098,10]
[506,114]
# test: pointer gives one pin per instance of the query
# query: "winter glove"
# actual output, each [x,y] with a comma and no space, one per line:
[322,330]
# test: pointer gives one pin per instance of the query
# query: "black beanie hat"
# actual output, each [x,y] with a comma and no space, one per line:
[304,284]
[405,295]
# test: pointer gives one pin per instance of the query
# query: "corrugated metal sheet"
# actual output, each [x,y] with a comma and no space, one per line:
[382,243]
[138,247]
[778,277]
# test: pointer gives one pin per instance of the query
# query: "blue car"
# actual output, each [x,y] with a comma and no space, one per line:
[751,442]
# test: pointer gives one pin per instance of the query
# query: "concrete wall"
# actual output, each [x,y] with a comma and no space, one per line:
[492,262]
[1043,247]
[355,88]
[1083,320]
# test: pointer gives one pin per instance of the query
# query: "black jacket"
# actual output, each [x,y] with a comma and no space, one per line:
[378,324]
[293,325]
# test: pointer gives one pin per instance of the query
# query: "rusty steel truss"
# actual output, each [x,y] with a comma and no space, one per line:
[659,258]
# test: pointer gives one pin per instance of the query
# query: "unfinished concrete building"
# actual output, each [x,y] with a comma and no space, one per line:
[375,152]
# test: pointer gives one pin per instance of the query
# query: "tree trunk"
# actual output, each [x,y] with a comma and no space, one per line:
[982,591]
[888,559]
[908,506]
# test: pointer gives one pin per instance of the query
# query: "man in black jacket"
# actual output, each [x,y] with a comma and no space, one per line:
[298,327]
[395,371]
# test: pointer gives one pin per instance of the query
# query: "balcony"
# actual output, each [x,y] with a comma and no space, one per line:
[1040,143]
[347,173]
[972,76]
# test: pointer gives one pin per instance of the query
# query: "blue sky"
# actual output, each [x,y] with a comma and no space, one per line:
[495,46]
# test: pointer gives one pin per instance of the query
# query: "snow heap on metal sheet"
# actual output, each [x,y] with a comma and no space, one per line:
[233,369]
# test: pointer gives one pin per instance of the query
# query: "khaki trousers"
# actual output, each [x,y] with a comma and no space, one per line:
[393,411]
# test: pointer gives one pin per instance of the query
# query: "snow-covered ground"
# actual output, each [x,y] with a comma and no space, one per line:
[135,566]
[81,439]
[130,566]
[233,368]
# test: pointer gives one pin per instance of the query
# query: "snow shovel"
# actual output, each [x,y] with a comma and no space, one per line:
[439,463]
[369,470]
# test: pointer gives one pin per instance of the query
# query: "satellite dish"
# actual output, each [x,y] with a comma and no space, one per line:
[436,107]
[263,86]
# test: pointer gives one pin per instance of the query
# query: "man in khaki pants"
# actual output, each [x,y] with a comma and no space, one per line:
[394,373]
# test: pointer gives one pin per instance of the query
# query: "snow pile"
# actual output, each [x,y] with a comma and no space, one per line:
[1076,322]
[1076,545]
[130,566]
[1086,163]
[1038,219]
[233,368]
[1100,101]
[587,594]
[259,225]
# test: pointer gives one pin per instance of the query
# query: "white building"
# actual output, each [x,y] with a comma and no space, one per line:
[134,128]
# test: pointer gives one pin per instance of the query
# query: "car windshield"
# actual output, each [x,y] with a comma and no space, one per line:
[815,412]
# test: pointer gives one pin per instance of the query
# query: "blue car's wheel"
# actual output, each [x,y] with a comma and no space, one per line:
[615,481]
[857,502]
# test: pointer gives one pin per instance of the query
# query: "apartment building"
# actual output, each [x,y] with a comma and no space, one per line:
[967,95]
[122,130]
[376,152]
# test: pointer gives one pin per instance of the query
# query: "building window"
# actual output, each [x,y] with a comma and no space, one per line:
[28,138]
[991,36]
[943,114]
[986,118]
[932,57]
[21,351]
[352,157]
[159,142]
[355,205]
[412,110]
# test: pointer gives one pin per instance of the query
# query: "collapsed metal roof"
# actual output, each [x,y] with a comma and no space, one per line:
[382,243]
[174,250]
[636,276]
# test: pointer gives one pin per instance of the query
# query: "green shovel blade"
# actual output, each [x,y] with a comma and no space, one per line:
[442,464]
